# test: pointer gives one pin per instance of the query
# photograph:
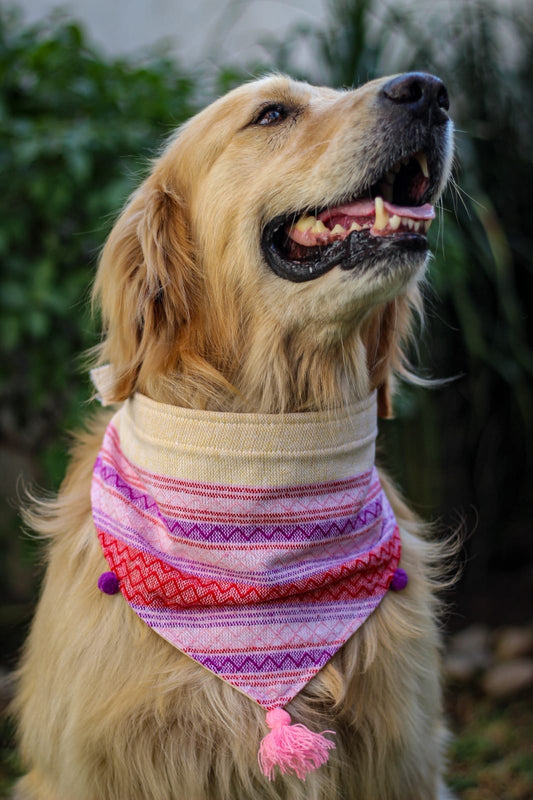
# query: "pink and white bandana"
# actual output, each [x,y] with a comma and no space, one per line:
[255,544]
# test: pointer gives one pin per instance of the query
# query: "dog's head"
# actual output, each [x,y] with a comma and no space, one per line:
[269,260]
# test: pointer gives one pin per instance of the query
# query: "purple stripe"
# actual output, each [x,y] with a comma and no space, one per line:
[267,614]
[248,664]
[225,533]
[306,567]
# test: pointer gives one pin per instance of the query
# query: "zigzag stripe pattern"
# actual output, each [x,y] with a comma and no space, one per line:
[150,581]
[246,663]
[254,530]
[255,519]
[240,563]
[282,576]
[286,619]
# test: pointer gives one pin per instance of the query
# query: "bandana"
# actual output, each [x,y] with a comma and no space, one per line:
[255,544]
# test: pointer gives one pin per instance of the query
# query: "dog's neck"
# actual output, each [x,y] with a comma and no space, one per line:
[270,394]
[275,376]
[270,369]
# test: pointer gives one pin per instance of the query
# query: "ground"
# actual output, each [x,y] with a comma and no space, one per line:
[491,757]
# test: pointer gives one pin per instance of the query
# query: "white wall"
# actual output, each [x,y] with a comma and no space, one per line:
[221,32]
[195,30]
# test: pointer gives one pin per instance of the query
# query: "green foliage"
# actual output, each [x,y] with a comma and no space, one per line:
[75,131]
[10,766]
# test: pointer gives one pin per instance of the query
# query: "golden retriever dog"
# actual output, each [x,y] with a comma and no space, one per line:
[267,269]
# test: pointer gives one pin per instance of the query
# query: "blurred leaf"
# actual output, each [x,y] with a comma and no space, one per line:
[71,150]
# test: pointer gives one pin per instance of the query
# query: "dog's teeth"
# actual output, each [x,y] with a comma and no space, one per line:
[426,224]
[318,227]
[416,227]
[338,229]
[423,161]
[305,223]
[395,222]
[355,227]
[381,215]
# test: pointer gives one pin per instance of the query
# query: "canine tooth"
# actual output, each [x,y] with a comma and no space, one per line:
[355,227]
[423,161]
[411,224]
[426,224]
[417,227]
[395,222]
[338,229]
[381,215]
[318,227]
[305,223]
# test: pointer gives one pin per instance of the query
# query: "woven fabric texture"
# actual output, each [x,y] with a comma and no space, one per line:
[255,544]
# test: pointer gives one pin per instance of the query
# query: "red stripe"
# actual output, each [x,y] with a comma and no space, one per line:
[268,517]
[148,581]
[338,513]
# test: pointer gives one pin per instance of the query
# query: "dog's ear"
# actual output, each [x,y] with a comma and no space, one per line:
[383,339]
[146,287]
[385,409]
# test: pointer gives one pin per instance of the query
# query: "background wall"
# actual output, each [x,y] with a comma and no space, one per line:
[197,31]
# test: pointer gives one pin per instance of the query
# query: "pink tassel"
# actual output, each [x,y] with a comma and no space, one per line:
[294,748]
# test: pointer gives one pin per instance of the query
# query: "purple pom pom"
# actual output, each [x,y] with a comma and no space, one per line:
[108,583]
[400,579]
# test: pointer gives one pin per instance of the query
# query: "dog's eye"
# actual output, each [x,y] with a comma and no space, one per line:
[271,114]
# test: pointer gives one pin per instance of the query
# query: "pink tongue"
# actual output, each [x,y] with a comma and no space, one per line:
[366,208]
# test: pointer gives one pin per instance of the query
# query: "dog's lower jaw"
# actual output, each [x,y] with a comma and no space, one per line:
[358,253]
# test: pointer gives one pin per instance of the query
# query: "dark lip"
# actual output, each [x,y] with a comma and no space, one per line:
[348,254]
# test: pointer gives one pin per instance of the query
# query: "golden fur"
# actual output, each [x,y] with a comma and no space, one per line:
[193,316]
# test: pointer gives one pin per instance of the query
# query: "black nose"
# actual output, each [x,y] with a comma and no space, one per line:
[424,96]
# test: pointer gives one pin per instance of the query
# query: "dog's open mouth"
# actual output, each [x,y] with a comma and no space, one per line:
[395,209]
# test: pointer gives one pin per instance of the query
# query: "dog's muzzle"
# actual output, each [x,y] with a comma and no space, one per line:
[393,212]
